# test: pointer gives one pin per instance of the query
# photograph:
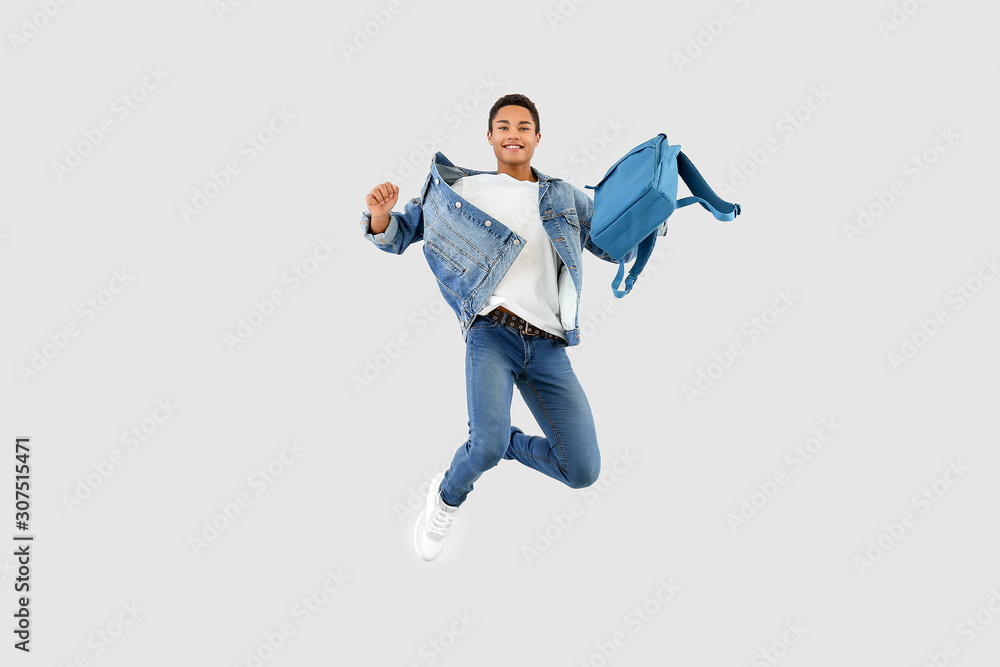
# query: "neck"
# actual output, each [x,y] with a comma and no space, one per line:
[521,172]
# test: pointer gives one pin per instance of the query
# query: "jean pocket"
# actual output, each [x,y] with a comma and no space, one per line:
[482,322]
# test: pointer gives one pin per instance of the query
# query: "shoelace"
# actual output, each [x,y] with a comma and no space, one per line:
[440,522]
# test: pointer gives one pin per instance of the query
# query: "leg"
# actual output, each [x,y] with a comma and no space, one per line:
[491,359]
[550,388]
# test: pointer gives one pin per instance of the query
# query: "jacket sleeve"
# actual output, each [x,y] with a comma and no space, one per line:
[403,229]
[585,213]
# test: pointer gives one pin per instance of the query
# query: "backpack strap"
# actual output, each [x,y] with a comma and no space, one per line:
[642,254]
[703,194]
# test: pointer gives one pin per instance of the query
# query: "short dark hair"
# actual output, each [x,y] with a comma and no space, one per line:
[514,99]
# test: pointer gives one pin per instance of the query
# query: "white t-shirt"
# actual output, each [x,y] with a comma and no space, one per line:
[530,287]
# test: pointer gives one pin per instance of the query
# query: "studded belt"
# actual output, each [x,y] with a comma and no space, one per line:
[519,323]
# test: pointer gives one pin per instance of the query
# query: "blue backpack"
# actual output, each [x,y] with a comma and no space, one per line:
[638,194]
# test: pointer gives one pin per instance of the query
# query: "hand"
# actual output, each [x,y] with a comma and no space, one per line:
[382,198]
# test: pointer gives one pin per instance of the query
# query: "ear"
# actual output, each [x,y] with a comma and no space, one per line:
[489,137]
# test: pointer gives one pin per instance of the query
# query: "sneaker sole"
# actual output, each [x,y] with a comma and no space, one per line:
[416,534]
[419,523]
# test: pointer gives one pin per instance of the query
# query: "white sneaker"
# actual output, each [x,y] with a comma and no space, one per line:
[431,529]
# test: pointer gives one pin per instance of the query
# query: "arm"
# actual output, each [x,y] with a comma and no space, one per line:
[401,230]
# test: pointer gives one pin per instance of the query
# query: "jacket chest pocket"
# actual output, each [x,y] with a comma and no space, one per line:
[571,219]
[439,253]
[569,224]
[453,247]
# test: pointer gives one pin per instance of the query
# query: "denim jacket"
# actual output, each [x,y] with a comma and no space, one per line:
[469,252]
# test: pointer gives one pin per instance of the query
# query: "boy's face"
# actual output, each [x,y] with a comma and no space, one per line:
[513,136]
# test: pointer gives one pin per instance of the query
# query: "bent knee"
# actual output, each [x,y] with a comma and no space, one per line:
[583,476]
[487,454]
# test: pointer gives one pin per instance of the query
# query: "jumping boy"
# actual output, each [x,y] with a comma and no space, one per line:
[506,249]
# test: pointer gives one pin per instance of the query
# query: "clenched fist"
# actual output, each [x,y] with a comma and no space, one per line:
[382,198]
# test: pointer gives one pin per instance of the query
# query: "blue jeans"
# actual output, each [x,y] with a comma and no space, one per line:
[497,357]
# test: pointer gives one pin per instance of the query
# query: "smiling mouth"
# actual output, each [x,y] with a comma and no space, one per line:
[514,148]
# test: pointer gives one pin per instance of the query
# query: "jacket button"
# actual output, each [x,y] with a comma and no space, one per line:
[437,181]
[487,223]
[458,204]
[517,241]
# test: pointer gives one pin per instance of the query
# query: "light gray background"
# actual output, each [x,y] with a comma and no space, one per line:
[337,505]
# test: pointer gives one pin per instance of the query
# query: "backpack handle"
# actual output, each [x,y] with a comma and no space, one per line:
[703,193]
